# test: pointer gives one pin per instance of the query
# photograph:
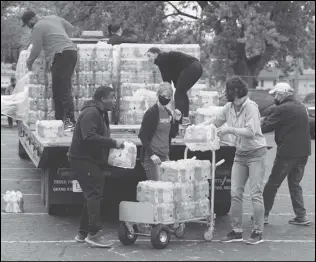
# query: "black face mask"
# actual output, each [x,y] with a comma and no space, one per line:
[230,95]
[277,102]
[164,101]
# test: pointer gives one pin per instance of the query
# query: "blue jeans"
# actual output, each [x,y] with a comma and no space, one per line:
[244,168]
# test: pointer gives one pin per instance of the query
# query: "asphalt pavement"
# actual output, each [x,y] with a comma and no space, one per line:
[37,236]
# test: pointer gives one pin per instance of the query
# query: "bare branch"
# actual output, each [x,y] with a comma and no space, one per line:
[179,12]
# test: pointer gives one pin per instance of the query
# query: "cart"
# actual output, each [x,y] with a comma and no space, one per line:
[135,215]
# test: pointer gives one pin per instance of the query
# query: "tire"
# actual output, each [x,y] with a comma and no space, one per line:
[125,237]
[180,231]
[222,208]
[160,237]
[22,153]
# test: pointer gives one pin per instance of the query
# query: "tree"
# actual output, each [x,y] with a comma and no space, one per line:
[309,54]
[144,19]
[249,34]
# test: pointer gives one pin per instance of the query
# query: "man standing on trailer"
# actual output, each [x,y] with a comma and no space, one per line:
[51,33]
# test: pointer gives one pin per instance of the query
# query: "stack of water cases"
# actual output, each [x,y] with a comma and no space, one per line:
[182,187]
[160,196]
[39,104]
[93,69]
[135,72]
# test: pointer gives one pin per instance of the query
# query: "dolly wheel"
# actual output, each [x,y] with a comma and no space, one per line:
[125,236]
[180,231]
[160,237]
[208,235]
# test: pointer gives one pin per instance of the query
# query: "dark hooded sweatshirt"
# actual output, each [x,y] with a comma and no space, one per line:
[91,139]
[171,64]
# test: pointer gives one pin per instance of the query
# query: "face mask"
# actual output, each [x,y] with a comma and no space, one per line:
[277,99]
[230,95]
[164,101]
[277,102]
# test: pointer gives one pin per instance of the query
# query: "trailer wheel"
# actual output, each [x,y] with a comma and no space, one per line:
[180,231]
[125,236]
[22,152]
[160,237]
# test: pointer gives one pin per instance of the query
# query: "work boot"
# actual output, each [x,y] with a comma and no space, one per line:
[98,240]
[255,238]
[80,238]
[300,221]
[232,237]
[68,125]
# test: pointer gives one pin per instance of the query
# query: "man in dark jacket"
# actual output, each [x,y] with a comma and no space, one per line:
[116,37]
[89,151]
[289,121]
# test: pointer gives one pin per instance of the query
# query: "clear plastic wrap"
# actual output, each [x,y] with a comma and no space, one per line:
[201,189]
[13,202]
[202,208]
[183,192]
[50,128]
[124,158]
[184,210]
[155,192]
[164,213]
[176,172]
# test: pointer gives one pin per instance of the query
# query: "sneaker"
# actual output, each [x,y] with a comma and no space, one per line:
[80,238]
[232,237]
[255,238]
[68,125]
[265,221]
[98,240]
[300,221]
[186,121]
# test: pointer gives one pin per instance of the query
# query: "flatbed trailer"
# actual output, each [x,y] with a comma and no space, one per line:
[60,188]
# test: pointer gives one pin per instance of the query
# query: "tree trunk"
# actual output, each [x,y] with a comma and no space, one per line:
[248,74]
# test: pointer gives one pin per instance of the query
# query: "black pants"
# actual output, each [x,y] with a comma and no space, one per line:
[293,169]
[62,70]
[91,181]
[10,121]
[188,77]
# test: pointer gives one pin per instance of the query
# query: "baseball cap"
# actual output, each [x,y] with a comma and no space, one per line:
[281,88]
[27,16]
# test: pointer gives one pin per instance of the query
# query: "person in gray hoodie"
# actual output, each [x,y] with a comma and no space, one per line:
[88,152]
[243,121]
